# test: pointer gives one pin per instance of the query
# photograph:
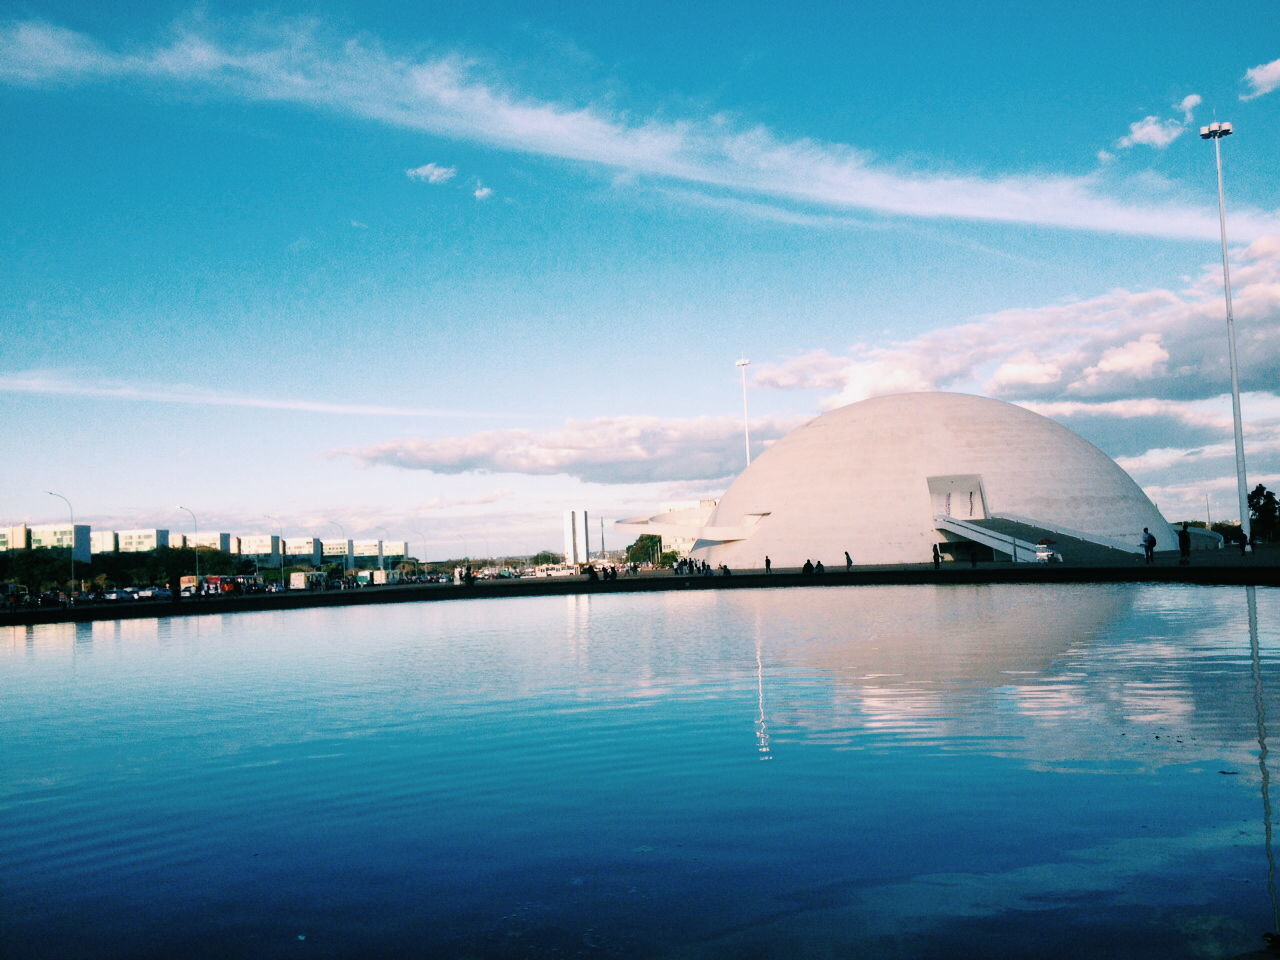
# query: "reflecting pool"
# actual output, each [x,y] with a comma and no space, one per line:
[1007,771]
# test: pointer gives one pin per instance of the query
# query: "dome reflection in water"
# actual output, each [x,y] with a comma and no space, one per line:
[882,771]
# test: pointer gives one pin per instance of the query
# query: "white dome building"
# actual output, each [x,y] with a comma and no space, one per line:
[887,478]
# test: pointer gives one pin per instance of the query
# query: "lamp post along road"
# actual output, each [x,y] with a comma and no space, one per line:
[72,512]
[1215,132]
[746,426]
[279,543]
[195,547]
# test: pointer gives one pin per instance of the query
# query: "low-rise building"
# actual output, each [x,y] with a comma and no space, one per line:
[210,541]
[140,541]
[103,541]
[15,538]
[264,548]
[303,550]
[63,535]
[337,551]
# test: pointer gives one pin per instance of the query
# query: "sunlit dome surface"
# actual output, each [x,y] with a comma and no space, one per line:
[874,477]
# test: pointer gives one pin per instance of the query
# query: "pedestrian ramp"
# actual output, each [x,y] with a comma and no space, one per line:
[1019,540]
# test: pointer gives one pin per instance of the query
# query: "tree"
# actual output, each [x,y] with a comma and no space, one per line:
[545,558]
[1264,513]
[646,549]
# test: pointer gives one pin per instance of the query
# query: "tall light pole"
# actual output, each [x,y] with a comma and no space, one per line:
[72,512]
[195,532]
[279,543]
[742,365]
[1215,132]
[423,537]
[345,568]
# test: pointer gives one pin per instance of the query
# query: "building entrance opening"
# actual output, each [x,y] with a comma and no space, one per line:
[959,495]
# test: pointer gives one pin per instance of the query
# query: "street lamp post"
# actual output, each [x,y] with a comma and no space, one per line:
[72,512]
[1215,132]
[742,365]
[342,530]
[195,532]
[423,537]
[279,543]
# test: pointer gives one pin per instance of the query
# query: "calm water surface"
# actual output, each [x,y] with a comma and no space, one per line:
[1012,771]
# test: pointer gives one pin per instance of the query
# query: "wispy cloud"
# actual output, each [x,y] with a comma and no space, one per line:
[432,173]
[605,450]
[293,61]
[1152,131]
[482,192]
[61,383]
[1262,79]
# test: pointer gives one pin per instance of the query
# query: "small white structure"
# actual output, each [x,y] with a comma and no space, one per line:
[103,541]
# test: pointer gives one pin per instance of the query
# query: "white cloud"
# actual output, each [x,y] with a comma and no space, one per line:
[1187,106]
[292,62]
[66,384]
[817,369]
[432,173]
[606,450]
[1116,345]
[483,193]
[1025,369]
[1139,359]
[1151,131]
[1262,79]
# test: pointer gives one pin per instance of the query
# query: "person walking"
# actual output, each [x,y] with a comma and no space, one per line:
[848,562]
[768,564]
[1148,544]
[937,558]
[1184,545]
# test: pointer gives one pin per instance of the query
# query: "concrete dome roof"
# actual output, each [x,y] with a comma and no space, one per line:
[871,477]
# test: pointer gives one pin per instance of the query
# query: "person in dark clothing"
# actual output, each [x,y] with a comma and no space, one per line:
[937,558]
[768,564]
[819,568]
[807,568]
[1184,546]
[848,562]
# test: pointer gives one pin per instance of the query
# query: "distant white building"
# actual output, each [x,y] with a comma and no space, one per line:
[103,541]
[395,549]
[177,541]
[264,548]
[367,549]
[692,512]
[63,535]
[337,550]
[210,541]
[15,538]
[140,541]
[303,550]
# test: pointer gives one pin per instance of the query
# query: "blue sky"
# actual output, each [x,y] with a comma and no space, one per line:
[446,271]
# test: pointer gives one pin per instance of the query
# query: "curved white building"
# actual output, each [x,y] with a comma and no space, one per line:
[887,478]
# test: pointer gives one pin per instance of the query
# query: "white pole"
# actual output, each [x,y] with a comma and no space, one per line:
[1242,486]
[72,512]
[195,530]
[746,424]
